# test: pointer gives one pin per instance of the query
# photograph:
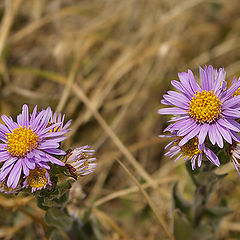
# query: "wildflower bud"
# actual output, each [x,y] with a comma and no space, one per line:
[81,161]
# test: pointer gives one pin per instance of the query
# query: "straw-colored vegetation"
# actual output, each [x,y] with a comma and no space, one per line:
[106,64]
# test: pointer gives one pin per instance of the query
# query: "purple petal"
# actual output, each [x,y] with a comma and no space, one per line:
[203,133]
[177,101]
[187,128]
[14,175]
[25,116]
[220,78]
[200,160]
[55,160]
[33,115]
[193,162]
[183,77]
[54,134]
[55,151]
[4,155]
[175,160]
[180,88]
[9,122]
[203,79]
[209,71]
[212,135]
[25,168]
[227,124]
[195,87]
[189,136]
[5,172]
[37,120]
[170,144]
[224,132]
[231,91]
[231,113]
[231,102]
[44,121]
[43,165]
[212,156]
[218,136]
[235,136]
[48,144]
[3,146]
[67,124]
[173,110]
[4,129]
[29,164]
[8,163]
[49,128]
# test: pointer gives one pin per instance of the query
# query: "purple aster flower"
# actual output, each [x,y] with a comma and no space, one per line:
[29,143]
[206,110]
[190,150]
[37,179]
[81,161]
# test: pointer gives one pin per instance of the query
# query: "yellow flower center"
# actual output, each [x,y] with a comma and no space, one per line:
[21,141]
[236,93]
[205,107]
[190,148]
[37,178]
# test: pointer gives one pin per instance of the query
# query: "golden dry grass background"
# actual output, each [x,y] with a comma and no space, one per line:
[106,64]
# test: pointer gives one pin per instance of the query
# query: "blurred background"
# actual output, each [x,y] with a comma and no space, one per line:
[106,64]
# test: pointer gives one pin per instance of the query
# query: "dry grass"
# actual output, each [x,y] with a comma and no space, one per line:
[106,65]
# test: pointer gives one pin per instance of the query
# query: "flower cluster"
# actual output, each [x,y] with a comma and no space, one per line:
[205,117]
[30,147]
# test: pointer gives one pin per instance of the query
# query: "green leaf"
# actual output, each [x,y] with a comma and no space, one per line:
[204,232]
[182,228]
[218,212]
[40,203]
[57,235]
[58,218]
[179,202]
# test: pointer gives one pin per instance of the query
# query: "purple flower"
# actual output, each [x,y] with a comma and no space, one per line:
[37,179]
[81,160]
[206,110]
[28,143]
[190,150]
